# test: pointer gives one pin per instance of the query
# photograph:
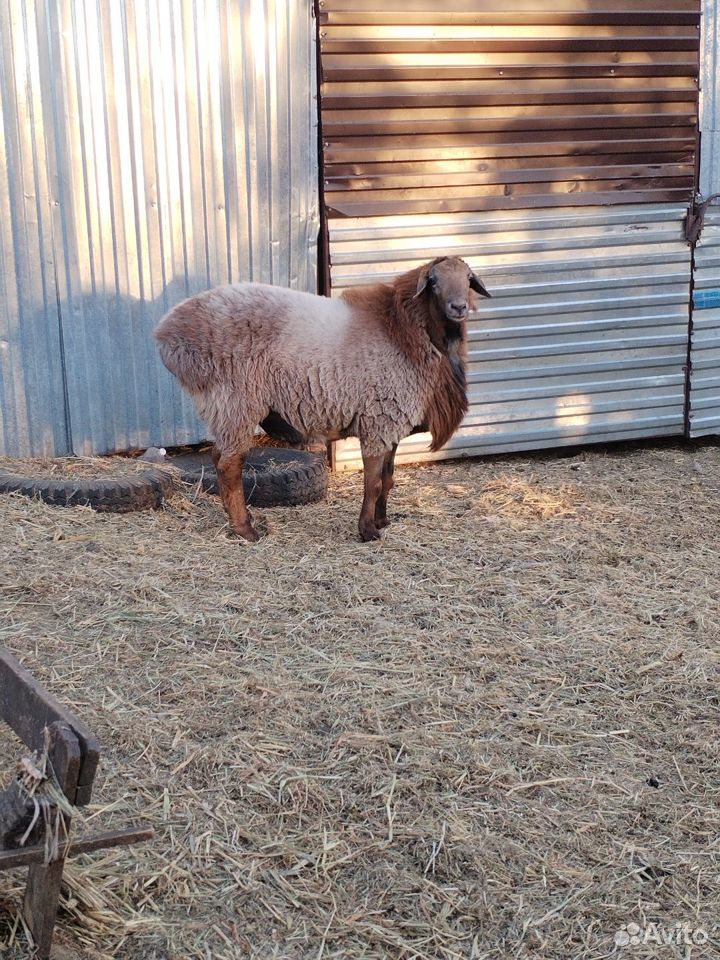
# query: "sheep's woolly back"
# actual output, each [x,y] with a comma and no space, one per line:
[195,366]
[364,365]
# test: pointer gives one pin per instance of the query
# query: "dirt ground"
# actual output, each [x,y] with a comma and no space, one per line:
[492,735]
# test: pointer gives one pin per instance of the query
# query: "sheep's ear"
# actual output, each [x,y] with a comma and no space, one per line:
[423,281]
[478,286]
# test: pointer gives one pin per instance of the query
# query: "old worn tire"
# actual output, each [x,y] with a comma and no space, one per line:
[140,491]
[274,477]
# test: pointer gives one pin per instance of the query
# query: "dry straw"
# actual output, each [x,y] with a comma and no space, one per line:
[492,735]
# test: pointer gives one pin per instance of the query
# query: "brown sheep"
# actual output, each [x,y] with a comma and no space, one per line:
[378,363]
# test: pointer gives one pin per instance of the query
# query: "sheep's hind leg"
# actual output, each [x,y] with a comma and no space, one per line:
[373,468]
[230,481]
[215,454]
[388,470]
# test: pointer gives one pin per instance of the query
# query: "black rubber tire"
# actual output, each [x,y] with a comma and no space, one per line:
[138,491]
[274,477]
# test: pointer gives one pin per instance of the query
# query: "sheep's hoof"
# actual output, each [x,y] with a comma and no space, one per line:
[369,532]
[248,533]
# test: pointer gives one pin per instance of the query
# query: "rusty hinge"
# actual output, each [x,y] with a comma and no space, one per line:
[696,216]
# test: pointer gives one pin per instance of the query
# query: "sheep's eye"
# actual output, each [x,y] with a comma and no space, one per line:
[433,280]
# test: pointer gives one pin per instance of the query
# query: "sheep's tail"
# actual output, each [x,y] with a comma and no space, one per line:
[195,367]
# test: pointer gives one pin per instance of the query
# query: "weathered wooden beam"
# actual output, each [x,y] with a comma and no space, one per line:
[42,894]
[99,841]
[28,708]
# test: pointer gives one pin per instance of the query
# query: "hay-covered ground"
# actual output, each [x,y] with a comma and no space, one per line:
[493,735]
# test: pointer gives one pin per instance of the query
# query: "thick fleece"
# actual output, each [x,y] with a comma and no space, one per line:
[363,365]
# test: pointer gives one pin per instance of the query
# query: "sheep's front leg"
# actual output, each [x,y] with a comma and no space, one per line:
[230,480]
[373,468]
[388,471]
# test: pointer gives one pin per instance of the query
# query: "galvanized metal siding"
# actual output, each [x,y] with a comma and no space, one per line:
[710,99]
[585,338]
[177,145]
[452,105]
[704,399]
[704,414]
[32,407]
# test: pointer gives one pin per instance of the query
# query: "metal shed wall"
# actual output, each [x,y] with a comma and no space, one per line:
[32,404]
[704,412]
[585,339]
[553,146]
[710,99]
[151,150]
[704,398]
[452,105]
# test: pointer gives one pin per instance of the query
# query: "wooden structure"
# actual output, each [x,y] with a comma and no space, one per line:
[73,752]
[433,106]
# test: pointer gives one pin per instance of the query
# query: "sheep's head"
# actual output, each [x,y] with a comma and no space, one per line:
[448,281]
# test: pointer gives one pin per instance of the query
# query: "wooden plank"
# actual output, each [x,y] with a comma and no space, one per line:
[347,123]
[100,841]
[346,96]
[497,8]
[541,137]
[508,112]
[28,708]
[352,70]
[450,47]
[566,148]
[600,88]
[566,58]
[544,16]
[351,126]
[42,898]
[451,105]
[515,190]
[462,165]
[568,34]
[499,174]
[368,208]
[42,895]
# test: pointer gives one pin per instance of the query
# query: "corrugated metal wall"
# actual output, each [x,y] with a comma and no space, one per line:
[586,337]
[710,99]
[451,105]
[704,413]
[704,399]
[151,149]
[554,146]
[32,406]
